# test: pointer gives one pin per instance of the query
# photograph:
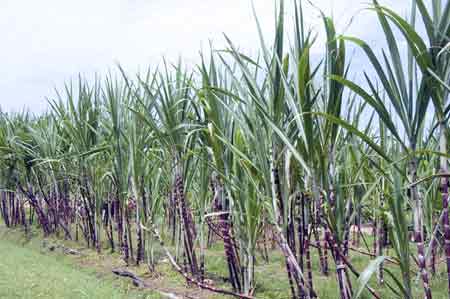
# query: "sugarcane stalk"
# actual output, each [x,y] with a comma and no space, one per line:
[302,227]
[446,224]
[316,223]
[347,226]
[418,229]
[340,269]
[444,186]
[186,223]
[125,249]
[309,277]
[5,215]
[229,246]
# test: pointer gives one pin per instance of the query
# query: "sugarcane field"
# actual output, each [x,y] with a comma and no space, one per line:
[148,152]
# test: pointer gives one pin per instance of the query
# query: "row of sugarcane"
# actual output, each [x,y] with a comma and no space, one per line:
[240,150]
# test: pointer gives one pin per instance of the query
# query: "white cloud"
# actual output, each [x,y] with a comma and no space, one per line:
[47,42]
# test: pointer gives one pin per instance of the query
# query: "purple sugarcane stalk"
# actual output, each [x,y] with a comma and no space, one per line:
[341,273]
[309,269]
[292,262]
[37,207]
[418,231]
[340,269]
[140,244]
[230,252]
[446,224]
[119,220]
[125,249]
[172,214]
[111,231]
[187,224]
[323,256]
[12,208]
[422,265]
[128,227]
[433,256]
[229,245]
[276,192]
[291,231]
[301,239]
[5,209]
[290,279]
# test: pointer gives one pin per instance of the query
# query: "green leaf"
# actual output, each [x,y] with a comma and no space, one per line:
[366,274]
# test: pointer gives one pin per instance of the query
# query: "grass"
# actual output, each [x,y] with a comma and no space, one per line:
[29,271]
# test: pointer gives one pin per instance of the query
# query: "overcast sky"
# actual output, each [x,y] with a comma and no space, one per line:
[48,42]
